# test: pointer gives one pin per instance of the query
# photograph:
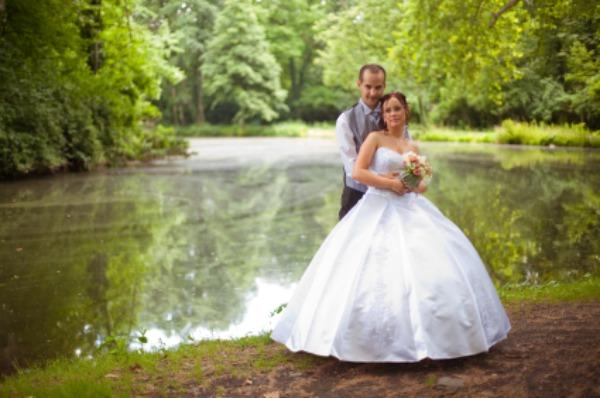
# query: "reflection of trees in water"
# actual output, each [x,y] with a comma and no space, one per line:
[71,258]
[528,223]
[311,201]
[208,267]
[566,221]
[248,223]
[175,251]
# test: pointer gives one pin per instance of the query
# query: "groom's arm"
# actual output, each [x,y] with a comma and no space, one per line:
[345,141]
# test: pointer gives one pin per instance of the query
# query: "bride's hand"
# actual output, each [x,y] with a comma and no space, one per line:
[391,175]
[397,186]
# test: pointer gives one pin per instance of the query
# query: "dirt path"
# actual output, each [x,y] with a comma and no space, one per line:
[553,350]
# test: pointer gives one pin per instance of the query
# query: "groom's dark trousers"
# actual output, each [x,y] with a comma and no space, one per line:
[349,198]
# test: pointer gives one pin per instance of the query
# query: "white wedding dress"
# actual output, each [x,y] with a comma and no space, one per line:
[395,281]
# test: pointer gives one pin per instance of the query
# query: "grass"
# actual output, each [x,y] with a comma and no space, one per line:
[586,289]
[168,372]
[284,129]
[201,365]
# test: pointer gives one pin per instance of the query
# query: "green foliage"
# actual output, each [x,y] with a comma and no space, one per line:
[291,30]
[584,64]
[284,129]
[77,81]
[357,34]
[474,63]
[321,103]
[540,134]
[240,68]
[189,25]
[433,133]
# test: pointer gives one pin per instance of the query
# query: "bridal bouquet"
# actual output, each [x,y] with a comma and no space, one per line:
[416,169]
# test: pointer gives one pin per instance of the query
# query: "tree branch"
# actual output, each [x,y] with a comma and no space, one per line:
[504,9]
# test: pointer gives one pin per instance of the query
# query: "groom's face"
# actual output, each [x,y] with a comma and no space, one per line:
[371,87]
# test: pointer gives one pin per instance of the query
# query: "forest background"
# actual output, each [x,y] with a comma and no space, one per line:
[91,82]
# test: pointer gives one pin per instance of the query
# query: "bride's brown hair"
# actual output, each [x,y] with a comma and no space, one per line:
[400,97]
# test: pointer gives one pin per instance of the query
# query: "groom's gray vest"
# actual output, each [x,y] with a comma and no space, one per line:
[360,125]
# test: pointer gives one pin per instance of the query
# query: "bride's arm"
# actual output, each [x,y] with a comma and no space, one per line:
[361,172]
[422,187]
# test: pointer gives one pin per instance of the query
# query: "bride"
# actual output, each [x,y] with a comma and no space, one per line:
[395,280]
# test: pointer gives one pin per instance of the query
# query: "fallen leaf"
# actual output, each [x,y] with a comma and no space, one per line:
[273,394]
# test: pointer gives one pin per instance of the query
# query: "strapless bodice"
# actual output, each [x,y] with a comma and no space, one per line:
[386,160]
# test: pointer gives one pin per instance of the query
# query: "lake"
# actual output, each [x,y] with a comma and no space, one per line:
[210,245]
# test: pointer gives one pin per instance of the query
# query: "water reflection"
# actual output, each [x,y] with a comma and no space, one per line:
[193,252]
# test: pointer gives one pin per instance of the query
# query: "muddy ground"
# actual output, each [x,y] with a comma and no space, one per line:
[553,350]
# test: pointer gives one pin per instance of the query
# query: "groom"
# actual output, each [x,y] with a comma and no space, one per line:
[354,124]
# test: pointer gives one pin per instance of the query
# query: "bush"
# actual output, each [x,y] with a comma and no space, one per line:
[540,134]
[321,103]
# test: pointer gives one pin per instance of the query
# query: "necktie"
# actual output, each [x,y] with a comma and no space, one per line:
[373,121]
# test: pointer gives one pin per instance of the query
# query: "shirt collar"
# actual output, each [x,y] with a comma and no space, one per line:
[368,110]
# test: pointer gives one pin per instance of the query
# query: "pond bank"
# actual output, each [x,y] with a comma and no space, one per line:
[509,132]
[553,349]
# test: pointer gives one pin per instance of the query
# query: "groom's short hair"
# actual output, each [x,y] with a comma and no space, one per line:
[373,68]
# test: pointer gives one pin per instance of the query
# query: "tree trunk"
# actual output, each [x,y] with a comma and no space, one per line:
[198,96]
[307,58]
[293,96]
[90,31]
[174,111]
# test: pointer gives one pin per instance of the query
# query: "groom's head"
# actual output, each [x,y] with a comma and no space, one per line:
[371,83]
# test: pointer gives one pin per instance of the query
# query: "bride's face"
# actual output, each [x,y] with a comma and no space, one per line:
[394,113]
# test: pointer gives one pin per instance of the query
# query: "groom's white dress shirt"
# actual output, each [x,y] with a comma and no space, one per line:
[346,140]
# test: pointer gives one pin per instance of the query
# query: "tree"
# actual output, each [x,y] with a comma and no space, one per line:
[239,68]
[291,30]
[191,23]
[77,81]
[363,32]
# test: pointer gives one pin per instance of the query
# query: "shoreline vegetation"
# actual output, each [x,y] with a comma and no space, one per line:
[509,132]
[171,141]
[115,371]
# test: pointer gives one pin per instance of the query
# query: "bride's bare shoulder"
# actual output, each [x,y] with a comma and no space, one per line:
[375,136]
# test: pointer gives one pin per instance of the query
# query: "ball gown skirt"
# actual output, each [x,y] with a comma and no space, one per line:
[394,281]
